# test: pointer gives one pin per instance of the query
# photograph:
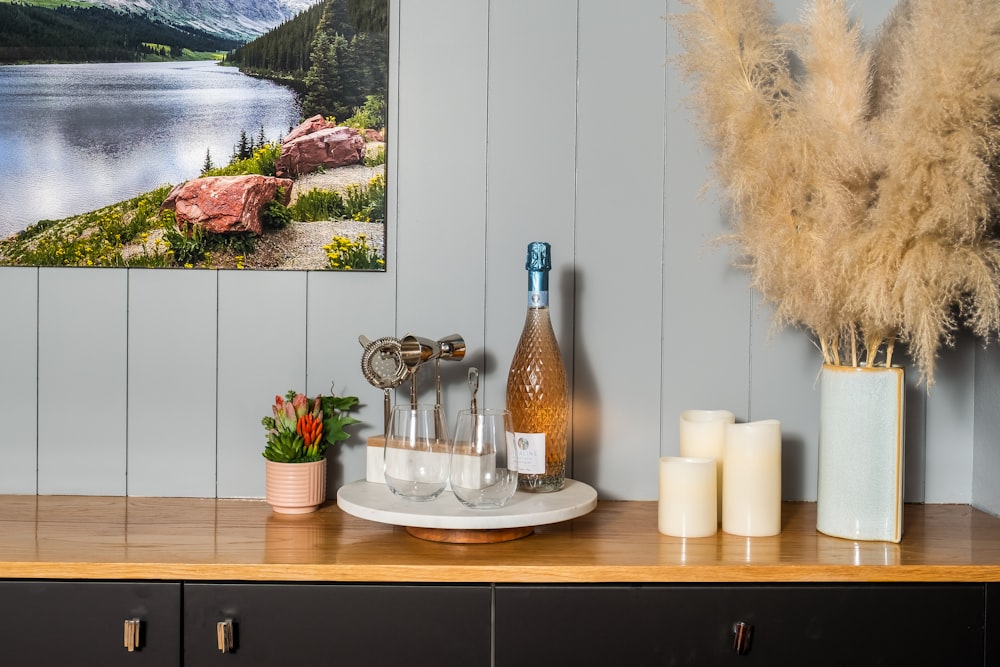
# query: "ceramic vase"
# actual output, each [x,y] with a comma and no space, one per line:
[295,488]
[860,484]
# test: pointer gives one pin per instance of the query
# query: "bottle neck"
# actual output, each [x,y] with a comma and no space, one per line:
[538,289]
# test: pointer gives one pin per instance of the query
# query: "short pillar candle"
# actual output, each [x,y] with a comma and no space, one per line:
[703,435]
[687,504]
[751,479]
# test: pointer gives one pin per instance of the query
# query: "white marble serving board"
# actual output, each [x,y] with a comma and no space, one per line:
[375,502]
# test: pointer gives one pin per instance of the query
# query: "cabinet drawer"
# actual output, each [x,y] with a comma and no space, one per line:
[925,624]
[347,624]
[55,623]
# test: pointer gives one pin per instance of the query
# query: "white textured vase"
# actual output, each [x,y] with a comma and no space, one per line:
[860,484]
[295,488]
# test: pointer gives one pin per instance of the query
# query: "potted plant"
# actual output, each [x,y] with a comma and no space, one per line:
[864,183]
[299,430]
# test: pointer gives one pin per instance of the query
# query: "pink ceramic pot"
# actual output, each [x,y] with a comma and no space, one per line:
[295,488]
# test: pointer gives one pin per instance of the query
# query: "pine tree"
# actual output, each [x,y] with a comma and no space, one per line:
[207,165]
[324,80]
[242,151]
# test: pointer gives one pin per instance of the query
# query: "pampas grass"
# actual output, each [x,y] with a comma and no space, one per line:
[863,176]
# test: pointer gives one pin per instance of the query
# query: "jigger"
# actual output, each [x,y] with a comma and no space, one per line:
[452,347]
[415,350]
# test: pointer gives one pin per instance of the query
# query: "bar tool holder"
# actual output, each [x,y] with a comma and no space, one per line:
[388,362]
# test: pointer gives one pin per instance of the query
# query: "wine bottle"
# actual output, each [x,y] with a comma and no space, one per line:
[537,395]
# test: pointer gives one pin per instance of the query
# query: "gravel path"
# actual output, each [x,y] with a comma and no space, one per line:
[300,245]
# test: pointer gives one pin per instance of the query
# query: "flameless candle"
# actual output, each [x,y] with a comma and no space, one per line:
[687,505]
[751,479]
[703,435]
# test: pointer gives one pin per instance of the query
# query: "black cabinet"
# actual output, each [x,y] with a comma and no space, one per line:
[816,625]
[345,624]
[54,623]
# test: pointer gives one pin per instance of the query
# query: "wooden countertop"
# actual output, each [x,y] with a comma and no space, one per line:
[63,537]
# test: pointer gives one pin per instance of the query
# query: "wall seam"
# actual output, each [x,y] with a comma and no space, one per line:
[128,347]
[38,395]
[217,301]
[664,184]
[576,197]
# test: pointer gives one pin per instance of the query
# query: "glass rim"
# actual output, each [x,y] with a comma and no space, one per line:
[483,411]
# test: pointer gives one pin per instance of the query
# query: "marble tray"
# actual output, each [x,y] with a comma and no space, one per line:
[375,502]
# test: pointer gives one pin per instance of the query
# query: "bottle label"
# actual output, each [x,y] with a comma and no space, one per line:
[538,299]
[530,453]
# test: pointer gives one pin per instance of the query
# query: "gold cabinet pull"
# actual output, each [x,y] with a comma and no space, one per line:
[224,634]
[132,626]
[741,637]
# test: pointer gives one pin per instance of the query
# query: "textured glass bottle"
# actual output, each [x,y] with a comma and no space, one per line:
[537,395]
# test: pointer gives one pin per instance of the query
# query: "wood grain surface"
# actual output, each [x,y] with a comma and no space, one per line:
[83,537]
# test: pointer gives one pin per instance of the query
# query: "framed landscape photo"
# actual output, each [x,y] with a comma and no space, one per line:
[138,134]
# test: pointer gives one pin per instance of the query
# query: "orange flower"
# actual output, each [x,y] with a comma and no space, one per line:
[310,428]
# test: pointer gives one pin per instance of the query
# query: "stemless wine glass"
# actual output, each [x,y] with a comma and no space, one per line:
[480,476]
[416,452]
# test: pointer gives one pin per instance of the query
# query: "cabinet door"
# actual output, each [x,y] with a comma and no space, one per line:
[344,624]
[55,623]
[693,625]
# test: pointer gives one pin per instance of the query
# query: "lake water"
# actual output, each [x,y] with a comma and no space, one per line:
[74,138]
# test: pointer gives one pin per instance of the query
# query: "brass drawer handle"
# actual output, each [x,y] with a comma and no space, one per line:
[741,637]
[132,628]
[224,634]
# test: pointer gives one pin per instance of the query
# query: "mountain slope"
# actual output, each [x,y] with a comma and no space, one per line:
[92,34]
[242,20]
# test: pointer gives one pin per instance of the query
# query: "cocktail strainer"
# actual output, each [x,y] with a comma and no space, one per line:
[383,367]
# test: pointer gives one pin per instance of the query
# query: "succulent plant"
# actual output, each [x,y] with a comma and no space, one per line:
[300,429]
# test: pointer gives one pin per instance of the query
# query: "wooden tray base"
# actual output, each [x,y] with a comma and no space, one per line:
[470,535]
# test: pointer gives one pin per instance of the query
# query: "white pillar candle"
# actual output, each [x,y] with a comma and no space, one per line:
[751,479]
[687,505]
[703,435]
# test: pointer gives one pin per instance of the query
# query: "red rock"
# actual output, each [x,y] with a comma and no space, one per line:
[308,126]
[329,148]
[225,204]
[373,135]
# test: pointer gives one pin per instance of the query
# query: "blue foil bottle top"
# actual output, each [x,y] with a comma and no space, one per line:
[538,264]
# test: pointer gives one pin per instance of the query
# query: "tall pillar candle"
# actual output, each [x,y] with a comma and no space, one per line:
[751,479]
[687,503]
[703,434]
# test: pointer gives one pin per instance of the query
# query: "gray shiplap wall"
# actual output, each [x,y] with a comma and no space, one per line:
[511,121]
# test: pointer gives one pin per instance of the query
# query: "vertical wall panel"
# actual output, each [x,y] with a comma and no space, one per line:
[82,358]
[262,352]
[341,307]
[619,246]
[531,168]
[171,382]
[706,302]
[19,379]
[531,185]
[442,202]
[784,368]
